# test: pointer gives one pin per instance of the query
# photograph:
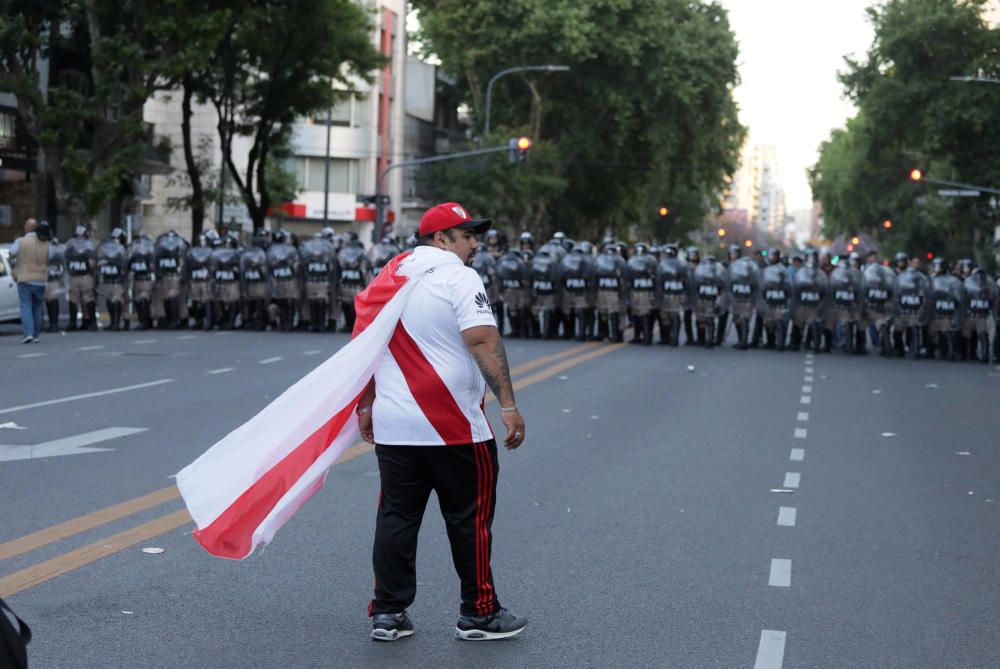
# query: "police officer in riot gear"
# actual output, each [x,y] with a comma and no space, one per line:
[253,280]
[545,292]
[355,272]
[319,273]
[912,310]
[226,280]
[81,261]
[200,270]
[674,294]
[947,308]
[494,244]
[112,266]
[641,274]
[486,265]
[693,256]
[981,301]
[56,285]
[809,310]
[526,242]
[846,304]
[141,264]
[611,274]
[171,251]
[515,291]
[744,294]
[775,307]
[283,270]
[578,291]
[710,299]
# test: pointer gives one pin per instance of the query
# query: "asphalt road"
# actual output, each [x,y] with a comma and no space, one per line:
[637,527]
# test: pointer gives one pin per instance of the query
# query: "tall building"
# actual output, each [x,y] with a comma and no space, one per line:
[756,188]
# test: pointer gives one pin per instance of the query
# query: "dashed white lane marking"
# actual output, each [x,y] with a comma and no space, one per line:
[223,333]
[805,399]
[781,573]
[797,455]
[91,348]
[146,341]
[313,352]
[803,417]
[61,400]
[792,480]
[268,361]
[808,379]
[809,370]
[786,516]
[221,370]
[801,433]
[771,651]
[188,337]
[807,389]
[31,355]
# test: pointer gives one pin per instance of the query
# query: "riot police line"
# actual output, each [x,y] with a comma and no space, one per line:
[562,289]
[571,290]
[276,282]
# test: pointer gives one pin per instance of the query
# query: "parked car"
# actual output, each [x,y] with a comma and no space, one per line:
[10,308]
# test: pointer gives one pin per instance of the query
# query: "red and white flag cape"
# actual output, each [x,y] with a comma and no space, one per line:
[245,487]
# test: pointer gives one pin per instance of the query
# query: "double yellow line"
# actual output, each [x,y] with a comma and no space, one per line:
[72,560]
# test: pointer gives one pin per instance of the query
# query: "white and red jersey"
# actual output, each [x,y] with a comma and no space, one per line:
[428,388]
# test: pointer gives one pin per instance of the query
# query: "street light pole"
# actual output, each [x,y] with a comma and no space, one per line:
[326,170]
[510,70]
[979,78]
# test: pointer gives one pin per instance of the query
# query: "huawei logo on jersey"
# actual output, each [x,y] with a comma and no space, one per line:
[482,301]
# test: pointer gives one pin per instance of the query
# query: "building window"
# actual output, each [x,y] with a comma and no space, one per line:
[310,173]
[347,112]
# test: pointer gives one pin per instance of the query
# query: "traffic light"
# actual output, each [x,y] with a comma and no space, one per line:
[519,147]
[916,174]
[855,241]
[930,256]
[721,232]
[663,211]
[887,224]
[850,247]
[748,243]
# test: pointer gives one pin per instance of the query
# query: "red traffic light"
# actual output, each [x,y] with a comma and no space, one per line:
[930,256]
[523,143]
[663,212]
[887,224]
[916,174]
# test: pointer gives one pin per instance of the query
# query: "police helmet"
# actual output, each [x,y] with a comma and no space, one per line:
[327,233]
[586,247]
[735,249]
[118,235]
[670,250]
[559,236]
[641,249]
[902,257]
[81,231]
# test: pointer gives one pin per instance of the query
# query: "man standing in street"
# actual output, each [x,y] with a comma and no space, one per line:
[423,411]
[31,256]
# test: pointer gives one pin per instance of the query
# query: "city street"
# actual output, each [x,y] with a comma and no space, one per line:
[670,508]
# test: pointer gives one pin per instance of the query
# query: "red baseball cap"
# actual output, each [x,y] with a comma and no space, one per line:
[451,215]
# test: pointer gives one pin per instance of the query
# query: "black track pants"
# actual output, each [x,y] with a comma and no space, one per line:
[464,478]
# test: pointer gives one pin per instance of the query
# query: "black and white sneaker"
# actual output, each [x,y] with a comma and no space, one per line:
[391,626]
[501,624]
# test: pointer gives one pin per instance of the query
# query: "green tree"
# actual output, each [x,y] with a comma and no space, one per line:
[645,115]
[911,115]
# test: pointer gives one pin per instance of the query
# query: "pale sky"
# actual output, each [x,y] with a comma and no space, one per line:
[790,52]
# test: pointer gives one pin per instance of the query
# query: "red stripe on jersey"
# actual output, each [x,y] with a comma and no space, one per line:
[429,391]
[231,534]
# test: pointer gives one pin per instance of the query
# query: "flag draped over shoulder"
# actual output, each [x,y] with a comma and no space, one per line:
[245,487]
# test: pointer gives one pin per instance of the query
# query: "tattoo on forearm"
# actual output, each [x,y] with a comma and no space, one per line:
[491,380]
[501,354]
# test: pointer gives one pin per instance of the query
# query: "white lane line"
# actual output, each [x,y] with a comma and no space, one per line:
[792,480]
[781,573]
[807,389]
[146,341]
[223,333]
[188,337]
[786,516]
[771,651]
[91,348]
[809,370]
[25,356]
[268,361]
[803,417]
[73,398]
[805,399]
[221,370]
[808,379]
[312,352]
[797,455]
[68,445]
[801,433]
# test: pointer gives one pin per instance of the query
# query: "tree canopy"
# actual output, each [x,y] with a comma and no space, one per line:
[645,115]
[912,115]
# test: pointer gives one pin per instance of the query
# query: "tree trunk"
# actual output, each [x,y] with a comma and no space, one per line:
[193,170]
